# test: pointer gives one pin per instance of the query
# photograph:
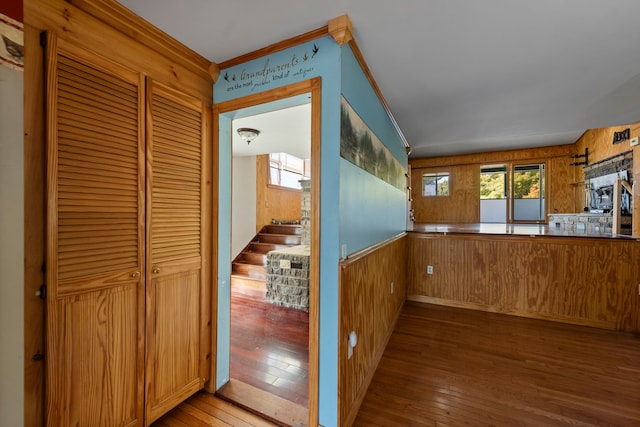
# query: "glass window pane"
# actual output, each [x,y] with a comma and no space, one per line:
[492,185]
[429,185]
[443,185]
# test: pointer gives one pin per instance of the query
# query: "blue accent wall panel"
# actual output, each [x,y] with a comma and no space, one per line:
[361,96]
[371,210]
[224,252]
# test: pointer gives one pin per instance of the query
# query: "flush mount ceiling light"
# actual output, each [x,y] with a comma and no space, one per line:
[248,134]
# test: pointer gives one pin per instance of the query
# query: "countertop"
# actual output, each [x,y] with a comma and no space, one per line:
[510,230]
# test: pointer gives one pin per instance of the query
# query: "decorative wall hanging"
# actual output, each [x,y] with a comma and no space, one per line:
[11,43]
[360,146]
[621,136]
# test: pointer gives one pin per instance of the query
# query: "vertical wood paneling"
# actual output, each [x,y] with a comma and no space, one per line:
[368,307]
[561,186]
[273,202]
[583,281]
[463,203]
[461,206]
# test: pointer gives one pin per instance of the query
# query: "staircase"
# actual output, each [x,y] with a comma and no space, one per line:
[249,268]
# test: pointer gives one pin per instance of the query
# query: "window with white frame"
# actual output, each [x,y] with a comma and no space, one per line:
[286,170]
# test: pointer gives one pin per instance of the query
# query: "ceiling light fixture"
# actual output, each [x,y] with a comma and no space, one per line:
[248,134]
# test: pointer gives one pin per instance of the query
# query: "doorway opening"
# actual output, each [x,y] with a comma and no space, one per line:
[512,193]
[269,351]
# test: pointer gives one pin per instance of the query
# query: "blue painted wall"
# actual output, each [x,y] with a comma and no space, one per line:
[320,58]
[371,210]
[356,208]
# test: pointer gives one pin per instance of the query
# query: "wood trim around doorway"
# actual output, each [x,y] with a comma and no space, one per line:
[312,86]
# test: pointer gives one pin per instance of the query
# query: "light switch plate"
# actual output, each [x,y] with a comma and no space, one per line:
[634,141]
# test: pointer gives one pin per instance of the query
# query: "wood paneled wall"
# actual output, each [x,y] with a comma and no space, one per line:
[369,307]
[591,282]
[463,203]
[461,206]
[273,202]
[113,31]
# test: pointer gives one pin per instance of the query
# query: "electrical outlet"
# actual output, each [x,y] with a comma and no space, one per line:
[429,269]
[391,287]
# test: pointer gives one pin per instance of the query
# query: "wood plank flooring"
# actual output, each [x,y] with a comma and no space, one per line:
[204,409]
[270,347]
[451,367]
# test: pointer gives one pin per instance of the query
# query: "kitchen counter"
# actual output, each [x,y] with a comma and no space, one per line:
[514,230]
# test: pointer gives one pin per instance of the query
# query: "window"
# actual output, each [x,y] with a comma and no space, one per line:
[493,182]
[435,184]
[286,170]
[528,193]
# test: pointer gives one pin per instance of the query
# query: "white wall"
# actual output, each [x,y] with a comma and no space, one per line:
[243,203]
[11,249]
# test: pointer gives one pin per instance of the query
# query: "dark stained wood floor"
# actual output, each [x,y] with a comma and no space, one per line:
[452,367]
[270,347]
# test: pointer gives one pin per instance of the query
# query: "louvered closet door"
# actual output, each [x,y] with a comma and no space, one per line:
[95,233]
[175,236]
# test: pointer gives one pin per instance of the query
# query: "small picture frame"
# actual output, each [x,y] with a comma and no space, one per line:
[11,43]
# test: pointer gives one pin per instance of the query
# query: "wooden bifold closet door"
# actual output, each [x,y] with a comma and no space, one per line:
[95,240]
[125,313]
[175,215]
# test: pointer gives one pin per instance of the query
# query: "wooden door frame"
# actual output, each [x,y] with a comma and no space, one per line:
[314,87]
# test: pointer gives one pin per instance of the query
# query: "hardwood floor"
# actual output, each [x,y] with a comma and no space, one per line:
[204,409]
[270,347]
[269,369]
[450,367]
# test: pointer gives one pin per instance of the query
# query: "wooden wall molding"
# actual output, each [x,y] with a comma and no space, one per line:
[107,28]
[341,29]
[114,14]
[275,47]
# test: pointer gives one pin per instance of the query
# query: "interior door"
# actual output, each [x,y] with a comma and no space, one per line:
[176,306]
[95,240]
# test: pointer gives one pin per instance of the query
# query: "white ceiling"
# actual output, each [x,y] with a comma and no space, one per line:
[282,131]
[458,75]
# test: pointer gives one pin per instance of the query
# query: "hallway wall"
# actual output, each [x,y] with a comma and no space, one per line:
[11,248]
